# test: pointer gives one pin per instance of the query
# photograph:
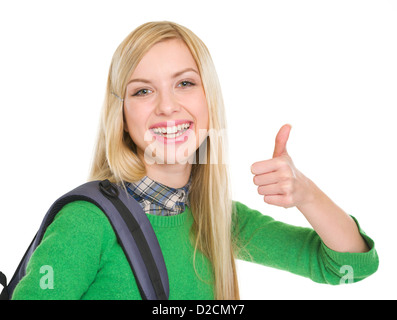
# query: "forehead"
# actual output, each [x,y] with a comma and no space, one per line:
[165,57]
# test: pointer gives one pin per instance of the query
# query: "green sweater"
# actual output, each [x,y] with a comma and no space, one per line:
[81,254]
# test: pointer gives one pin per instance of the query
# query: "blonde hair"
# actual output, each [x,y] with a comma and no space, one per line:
[115,155]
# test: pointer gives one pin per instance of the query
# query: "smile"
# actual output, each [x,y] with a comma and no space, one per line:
[173,131]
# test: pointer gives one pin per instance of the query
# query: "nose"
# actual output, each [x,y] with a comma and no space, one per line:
[166,103]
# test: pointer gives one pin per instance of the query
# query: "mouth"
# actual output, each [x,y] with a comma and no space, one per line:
[171,129]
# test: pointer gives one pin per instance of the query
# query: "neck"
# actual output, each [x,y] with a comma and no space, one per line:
[172,175]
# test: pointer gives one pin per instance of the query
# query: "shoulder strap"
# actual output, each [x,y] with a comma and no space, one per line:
[132,228]
[3,282]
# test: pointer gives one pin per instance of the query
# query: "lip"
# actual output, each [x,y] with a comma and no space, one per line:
[182,138]
[170,123]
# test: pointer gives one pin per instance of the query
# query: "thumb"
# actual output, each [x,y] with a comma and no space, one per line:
[280,147]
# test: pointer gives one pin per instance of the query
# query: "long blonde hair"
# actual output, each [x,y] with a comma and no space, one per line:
[115,155]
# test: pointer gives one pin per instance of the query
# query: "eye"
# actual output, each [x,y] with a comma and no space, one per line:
[185,84]
[142,92]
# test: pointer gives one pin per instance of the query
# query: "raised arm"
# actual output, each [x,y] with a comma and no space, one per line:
[283,185]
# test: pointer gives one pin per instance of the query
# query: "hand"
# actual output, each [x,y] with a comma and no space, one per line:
[281,184]
[277,179]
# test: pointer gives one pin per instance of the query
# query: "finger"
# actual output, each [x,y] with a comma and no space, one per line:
[280,147]
[266,166]
[267,178]
[271,189]
[277,200]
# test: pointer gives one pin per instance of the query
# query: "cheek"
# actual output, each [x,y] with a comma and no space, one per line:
[201,112]
[134,122]
[204,118]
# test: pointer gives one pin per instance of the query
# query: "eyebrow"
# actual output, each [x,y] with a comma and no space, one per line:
[184,71]
[174,76]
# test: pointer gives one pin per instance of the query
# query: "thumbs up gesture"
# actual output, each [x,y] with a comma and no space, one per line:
[277,179]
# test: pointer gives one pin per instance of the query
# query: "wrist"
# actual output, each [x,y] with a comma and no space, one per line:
[311,194]
[315,202]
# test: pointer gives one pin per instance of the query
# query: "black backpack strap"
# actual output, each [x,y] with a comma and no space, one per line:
[151,257]
[132,228]
[3,281]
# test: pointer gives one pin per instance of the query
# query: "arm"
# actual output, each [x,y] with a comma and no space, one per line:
[337,230]
[263,240]
[282,184]
[71,249]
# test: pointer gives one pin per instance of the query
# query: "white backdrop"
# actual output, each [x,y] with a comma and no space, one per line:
[326,67]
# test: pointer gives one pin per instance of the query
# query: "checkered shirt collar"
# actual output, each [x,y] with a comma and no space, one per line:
[154,195]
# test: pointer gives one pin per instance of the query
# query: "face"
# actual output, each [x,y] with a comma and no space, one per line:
[165,108]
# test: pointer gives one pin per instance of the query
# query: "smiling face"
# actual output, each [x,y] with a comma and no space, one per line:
[165,108]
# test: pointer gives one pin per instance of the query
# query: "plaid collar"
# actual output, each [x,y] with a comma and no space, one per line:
[156,198]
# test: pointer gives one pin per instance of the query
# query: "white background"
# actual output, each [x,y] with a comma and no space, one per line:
[326,67]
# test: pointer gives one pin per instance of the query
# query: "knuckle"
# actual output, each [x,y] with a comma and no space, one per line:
[280,162]
[283,161]
[289,202]
[285,175]
[286,187]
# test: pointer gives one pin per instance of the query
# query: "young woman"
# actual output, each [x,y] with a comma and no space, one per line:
[162,135]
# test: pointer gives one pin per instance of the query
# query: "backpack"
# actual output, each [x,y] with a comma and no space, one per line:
[132,228]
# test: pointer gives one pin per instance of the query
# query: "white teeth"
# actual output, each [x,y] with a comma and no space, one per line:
[172,132]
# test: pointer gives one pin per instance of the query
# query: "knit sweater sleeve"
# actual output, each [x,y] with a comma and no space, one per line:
[67,260]
[299,250]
